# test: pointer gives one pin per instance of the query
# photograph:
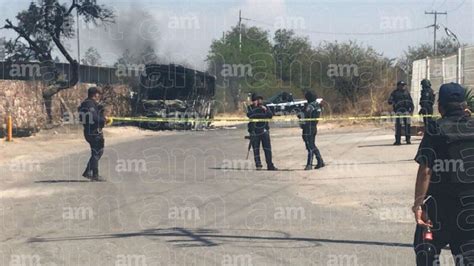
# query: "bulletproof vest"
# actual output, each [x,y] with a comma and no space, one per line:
[454,149]
[402,100]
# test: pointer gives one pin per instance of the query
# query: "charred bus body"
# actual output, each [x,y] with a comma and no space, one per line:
[177,93]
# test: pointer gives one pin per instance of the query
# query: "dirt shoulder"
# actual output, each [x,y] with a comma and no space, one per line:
[54,143]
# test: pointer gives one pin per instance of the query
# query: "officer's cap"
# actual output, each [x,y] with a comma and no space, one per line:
[256,97]
[93,91]
[401,82]
[451,93]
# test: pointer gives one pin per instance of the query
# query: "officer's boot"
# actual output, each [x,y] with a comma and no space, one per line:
[309,162]
[319,158]
[95,175]
[397,141]
[88,172]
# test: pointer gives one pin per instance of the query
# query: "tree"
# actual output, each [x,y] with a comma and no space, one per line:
[445,47]
[45,26]
[91,57]
[352,69]
[250,68]
[292,57]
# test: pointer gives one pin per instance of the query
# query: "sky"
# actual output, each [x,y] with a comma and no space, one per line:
[182,31]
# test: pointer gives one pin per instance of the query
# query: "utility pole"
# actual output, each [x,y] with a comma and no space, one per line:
[78,44]
[435,26]
[240,30]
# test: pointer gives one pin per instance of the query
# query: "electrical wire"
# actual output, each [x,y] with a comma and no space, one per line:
[458,7]
[345,33]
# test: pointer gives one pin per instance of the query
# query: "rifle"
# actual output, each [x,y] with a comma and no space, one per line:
[249,147]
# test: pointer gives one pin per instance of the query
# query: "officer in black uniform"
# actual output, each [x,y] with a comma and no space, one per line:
[444,192]
[402,104]
[312,110]
[91,114]
[260,132]
[426,101]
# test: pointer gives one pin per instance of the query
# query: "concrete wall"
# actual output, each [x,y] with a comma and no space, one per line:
[23,100]
[439,70]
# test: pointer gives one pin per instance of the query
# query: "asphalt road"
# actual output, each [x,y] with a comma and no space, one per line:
[192,199]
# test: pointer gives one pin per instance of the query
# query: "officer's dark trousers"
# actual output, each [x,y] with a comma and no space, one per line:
[427,119]
[264,139]
[452,224]
[96,142]
[310,143]
[398,128]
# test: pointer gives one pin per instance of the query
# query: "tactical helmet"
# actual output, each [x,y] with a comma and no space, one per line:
[425,83]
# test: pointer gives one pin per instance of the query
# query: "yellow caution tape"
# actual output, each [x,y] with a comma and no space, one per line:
[276,119]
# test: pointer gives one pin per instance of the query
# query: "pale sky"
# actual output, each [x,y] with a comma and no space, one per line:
[182,31]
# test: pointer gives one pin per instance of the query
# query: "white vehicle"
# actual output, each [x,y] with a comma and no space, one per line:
[284,104]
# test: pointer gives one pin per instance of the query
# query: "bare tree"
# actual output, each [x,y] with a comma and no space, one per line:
[91,57]
[45,25]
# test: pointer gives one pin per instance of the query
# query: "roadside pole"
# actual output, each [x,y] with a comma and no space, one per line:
[9,128]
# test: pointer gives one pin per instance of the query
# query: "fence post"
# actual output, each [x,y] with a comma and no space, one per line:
[460,70]
[9,128]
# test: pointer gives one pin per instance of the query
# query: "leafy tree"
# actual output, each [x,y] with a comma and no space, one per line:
[351,69]
[44,26]
[292,56]
[445,47]
[91,57]
[250,68]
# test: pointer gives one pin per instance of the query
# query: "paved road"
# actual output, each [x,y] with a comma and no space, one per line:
[191,199]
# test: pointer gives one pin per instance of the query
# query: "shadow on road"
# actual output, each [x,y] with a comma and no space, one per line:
[62,181]
[183,237]
[385,145]
[246,169]
[375,162]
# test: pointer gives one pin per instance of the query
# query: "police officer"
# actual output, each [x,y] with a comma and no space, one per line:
[444,191]
[91,115]
[402,104]
[260,132]
[312,110]
[426,101]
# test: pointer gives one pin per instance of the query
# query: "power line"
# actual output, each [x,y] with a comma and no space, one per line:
[347,33]
[458,7]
